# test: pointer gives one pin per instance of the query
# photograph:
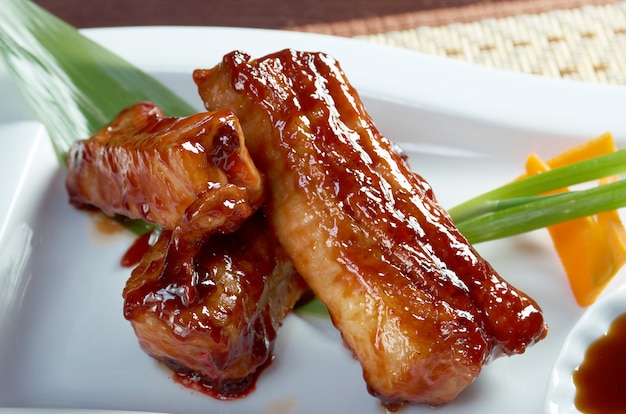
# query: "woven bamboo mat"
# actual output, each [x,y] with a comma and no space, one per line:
[575,39]
[586,43]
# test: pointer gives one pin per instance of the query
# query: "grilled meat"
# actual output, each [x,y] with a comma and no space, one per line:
[217,328]
[209,295]
[415,303]
[147,166]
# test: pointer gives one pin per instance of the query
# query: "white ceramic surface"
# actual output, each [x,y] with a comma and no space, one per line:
[594,323]
[63,340]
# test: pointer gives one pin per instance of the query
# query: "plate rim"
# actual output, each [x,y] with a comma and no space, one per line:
[568,101]
[415,60]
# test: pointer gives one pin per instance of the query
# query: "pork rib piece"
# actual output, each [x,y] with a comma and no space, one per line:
[146,166]
[209,295]
[220,337]
[416,304]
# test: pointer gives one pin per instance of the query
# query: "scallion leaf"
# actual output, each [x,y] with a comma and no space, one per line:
[572,174]
[542,211]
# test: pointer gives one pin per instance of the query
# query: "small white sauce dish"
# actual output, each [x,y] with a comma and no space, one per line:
[594,323]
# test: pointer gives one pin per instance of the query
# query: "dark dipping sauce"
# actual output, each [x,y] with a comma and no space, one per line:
[601,378]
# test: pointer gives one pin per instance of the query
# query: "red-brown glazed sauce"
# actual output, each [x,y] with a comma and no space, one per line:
[145,166]
[393,207]
[218,342]
[223,261]
[601,378]
[135,252]
[227,390]
[373,243]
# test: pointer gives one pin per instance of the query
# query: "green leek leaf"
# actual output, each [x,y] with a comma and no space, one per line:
[74,85]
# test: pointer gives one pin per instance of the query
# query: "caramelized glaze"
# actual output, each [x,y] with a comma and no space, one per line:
[208,295]
[146,166]
[416,304]
[219,337]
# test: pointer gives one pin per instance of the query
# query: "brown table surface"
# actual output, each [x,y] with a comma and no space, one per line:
[340,17]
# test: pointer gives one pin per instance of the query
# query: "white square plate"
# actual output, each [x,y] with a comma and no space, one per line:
[63,340]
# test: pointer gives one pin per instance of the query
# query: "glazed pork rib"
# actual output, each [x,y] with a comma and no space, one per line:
[414,302]
[147,166]
[221,340]
[210,293]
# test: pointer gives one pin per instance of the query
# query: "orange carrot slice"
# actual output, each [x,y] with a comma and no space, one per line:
[592,249]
